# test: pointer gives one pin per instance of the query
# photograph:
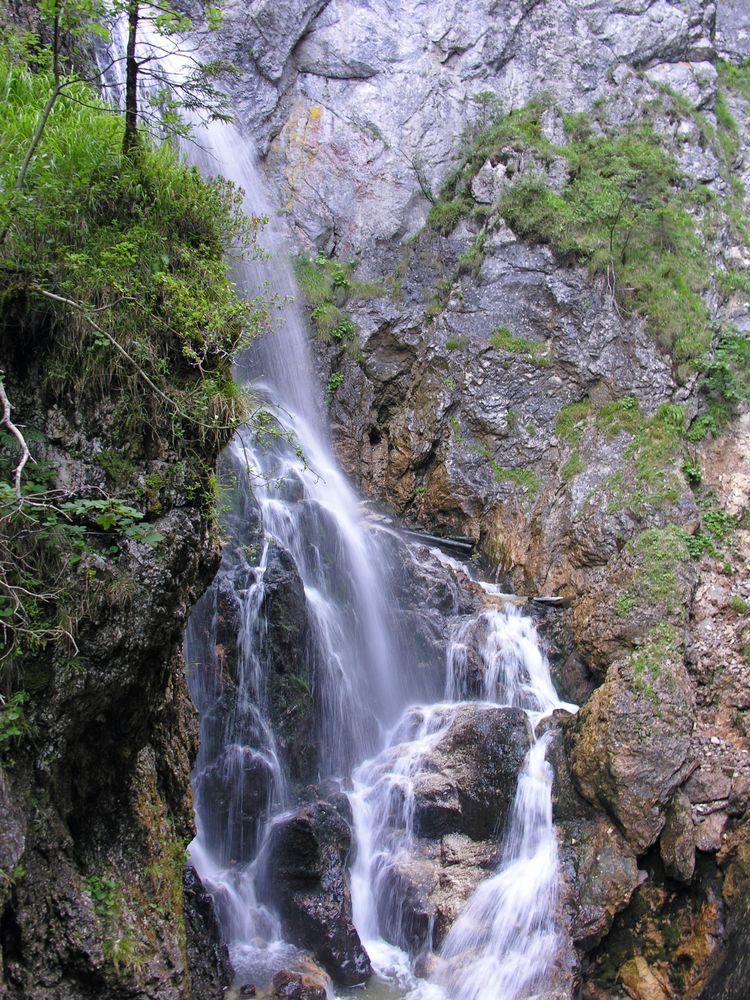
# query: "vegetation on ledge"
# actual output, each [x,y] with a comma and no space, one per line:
[116,291]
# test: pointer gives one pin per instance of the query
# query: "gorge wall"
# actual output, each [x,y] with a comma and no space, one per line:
[522,237]
[498,372]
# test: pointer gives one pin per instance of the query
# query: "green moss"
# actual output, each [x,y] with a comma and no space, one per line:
[725,384]
[569,421]
[735,76]
[659,553]
[623,605]
[571,467]
[444,216]
[737,605]
[328,286]
[724,116]
[653,658]
[531,350]
[119,469]
[523,478]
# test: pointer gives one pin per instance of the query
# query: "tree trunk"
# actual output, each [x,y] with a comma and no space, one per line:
[130,139]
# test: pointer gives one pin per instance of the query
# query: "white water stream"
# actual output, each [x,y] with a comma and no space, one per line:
[378,720]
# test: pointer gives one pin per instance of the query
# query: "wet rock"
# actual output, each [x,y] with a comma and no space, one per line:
[291,707]
[677,841]
[709,831]
[234,794]
[599,869]
[730,973]
[308,865]
[478,761]
[298,986]
[12,836]
[641,982]
[708,784]
[210,971]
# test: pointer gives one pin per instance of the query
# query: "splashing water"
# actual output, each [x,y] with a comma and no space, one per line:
[505,942]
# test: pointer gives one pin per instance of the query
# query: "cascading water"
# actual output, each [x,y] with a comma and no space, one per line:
[373,705]
[504,943]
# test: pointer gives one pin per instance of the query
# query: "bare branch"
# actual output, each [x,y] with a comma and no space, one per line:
[25,453]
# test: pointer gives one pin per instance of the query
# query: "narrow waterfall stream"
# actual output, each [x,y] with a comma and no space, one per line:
[379,715]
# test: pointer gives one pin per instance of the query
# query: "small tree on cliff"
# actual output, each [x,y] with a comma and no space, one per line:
[67,36]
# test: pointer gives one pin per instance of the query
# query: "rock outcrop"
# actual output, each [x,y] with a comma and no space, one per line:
[502,388]
[308,856]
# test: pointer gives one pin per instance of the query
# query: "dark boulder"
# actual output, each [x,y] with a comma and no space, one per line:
[208,958]
[308,865]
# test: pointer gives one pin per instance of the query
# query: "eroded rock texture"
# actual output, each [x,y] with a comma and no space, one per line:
[497,389]
[95,794]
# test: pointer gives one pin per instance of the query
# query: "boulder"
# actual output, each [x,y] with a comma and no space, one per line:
[677,841]
[630,743]
[298,986]
[308,858]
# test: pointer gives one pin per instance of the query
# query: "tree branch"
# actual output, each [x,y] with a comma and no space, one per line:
[25,453]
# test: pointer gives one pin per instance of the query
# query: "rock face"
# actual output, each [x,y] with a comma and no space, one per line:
[95,792]
[359,105]
[497,390]
[308,859]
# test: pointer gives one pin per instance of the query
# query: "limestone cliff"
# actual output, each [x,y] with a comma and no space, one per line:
[569,397]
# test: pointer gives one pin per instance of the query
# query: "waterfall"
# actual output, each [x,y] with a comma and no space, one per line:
[378,721]
[504,944]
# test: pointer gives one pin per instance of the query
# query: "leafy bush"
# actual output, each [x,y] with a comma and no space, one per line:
[119,265]
[139,249]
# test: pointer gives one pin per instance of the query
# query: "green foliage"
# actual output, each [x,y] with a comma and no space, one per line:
[733,281]
[724,116]
[13,722]
[659,553]
[531,350]
[653,658]
[737,605]
[571,466]
[140,243]
[570,419]
[327,287]
[105,897]
[334,383]
[444,216]
[715,530]
[122,262]
[523,478]
[648,476]
[118,468]
[623,605]
[735,76]
[691,470]
[725,384]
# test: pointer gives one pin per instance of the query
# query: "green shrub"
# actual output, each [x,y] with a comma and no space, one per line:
[334,383]
[571,467]
[143,241]
[444,216]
